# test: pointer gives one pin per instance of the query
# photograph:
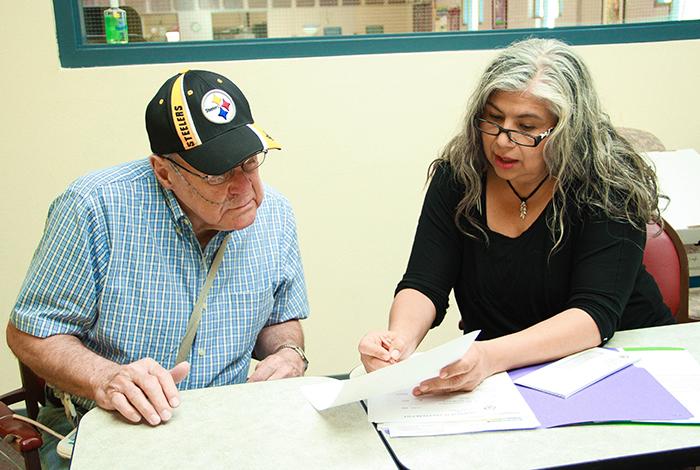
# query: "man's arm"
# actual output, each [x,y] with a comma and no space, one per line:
[278,362]
[140,389]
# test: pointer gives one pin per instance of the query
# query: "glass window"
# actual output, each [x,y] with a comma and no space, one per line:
[249,29]
[206,20]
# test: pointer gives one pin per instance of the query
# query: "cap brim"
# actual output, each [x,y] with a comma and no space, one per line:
[222,153]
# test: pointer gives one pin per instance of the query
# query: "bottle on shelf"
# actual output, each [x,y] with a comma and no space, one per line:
[116,29]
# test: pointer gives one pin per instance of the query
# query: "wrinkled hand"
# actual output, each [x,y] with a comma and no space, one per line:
[284,363]
[142,389]
[382,348]
[462,375]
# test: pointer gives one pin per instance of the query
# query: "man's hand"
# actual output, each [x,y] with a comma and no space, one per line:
[382,348]
[463,375]
[284,363]
[142,389]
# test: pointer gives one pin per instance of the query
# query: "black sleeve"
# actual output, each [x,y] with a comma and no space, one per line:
[607,259]
[436,255]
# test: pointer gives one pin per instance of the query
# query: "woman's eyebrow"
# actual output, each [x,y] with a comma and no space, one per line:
[519,116]
[530,116]
[489,103]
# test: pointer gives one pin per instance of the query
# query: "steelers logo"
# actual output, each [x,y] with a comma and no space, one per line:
[218,107]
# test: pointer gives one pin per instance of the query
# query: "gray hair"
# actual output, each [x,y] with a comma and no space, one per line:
[592,165]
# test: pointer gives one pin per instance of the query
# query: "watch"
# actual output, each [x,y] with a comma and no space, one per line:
[297,350]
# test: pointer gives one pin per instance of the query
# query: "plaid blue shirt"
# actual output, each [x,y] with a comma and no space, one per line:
[120,267]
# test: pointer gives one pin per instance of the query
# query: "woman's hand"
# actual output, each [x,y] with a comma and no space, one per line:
[382,348]
[463,375]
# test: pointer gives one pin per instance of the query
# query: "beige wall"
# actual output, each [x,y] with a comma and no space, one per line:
[358,133]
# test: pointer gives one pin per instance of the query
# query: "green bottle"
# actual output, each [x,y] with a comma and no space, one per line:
[116,30]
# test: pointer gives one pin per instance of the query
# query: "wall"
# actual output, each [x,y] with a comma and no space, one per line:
[358,133]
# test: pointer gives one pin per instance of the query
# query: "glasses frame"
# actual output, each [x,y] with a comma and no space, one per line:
[536,138]
[217,180]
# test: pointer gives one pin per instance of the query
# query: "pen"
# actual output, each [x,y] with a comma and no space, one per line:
[395,354]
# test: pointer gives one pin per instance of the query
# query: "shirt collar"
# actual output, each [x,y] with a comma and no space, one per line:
[176,212]
[182,222]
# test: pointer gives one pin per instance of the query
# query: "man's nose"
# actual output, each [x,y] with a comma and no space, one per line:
[239,182]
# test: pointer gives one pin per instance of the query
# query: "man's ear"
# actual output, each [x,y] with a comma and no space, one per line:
[162,170]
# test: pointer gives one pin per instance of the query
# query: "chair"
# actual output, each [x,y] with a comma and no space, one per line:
[666,260]
[642,141]
[24,437]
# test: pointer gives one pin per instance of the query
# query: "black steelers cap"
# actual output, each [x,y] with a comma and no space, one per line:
[206,119]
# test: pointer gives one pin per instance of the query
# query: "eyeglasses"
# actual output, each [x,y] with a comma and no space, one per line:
[517,137]
[248,165]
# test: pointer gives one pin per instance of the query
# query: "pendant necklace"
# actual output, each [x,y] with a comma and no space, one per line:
[523,200]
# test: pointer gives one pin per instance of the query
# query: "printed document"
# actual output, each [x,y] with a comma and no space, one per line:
[573,373]
[399,376]
[495,405]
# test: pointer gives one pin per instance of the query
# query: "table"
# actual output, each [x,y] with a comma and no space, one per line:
[270,425]
[600,445]
[257,425]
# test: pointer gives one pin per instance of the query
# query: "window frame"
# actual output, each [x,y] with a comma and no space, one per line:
[73,52]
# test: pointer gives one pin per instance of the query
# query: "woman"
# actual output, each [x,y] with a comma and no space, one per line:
[535,216]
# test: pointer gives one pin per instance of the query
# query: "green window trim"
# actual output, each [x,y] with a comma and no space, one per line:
[73,52]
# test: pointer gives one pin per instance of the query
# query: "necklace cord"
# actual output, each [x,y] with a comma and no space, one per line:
[524,199]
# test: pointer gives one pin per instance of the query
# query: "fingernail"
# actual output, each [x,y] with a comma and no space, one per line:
[395,354]
[423,388]
[174,401]
[443,375]
[154,419]
[166,415]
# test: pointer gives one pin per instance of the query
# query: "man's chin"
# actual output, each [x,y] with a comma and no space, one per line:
[240,222]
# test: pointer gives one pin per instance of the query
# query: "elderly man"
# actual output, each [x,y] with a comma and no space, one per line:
[172,269]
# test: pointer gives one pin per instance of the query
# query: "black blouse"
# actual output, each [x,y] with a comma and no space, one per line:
[510,284]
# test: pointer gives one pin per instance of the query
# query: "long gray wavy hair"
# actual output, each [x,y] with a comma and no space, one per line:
[592,165]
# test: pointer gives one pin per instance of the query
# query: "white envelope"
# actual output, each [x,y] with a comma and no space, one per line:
[573,373]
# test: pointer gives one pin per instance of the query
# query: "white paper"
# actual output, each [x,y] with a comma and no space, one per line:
[495,405]
[677,172]
[573,373]
[678,372]
[404,374]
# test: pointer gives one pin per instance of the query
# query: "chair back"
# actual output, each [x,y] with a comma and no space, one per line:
[665,259]
[24,438]
[31,391]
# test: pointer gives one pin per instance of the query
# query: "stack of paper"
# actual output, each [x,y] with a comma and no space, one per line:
[495,405]
[597,385]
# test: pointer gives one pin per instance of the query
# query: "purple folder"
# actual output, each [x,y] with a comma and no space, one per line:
[630,394]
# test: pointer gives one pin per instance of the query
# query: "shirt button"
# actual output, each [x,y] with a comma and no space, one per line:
[201,351]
